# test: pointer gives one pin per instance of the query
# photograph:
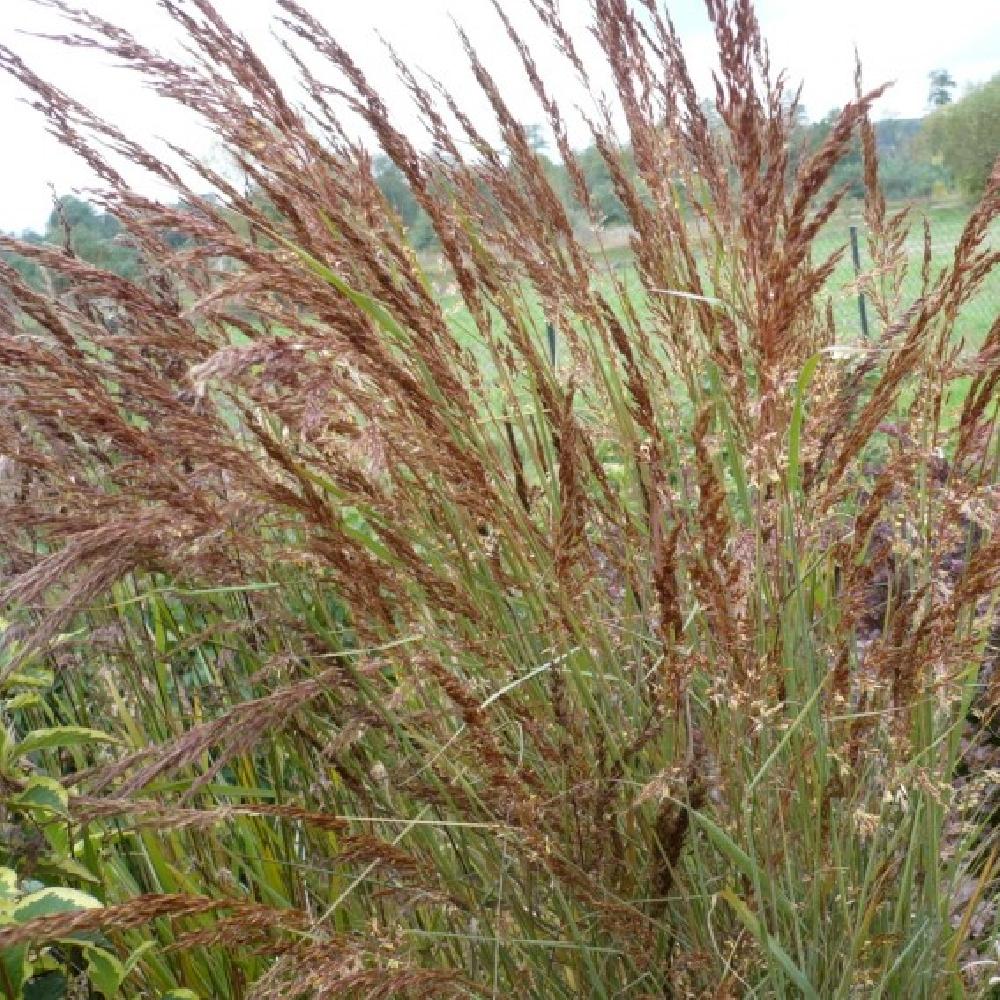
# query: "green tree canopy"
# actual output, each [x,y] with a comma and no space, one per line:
[966,135]
[942,84]
[95,236]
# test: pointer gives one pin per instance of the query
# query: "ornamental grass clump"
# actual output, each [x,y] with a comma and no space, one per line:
[421,660]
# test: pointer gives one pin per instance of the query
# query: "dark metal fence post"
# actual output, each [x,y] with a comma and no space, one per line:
[856,256]
[550,333]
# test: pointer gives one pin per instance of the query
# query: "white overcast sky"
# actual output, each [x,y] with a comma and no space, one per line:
[900,40]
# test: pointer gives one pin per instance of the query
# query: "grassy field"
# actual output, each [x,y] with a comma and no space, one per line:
[946,221]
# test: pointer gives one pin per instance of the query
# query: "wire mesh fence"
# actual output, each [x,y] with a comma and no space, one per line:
[946,221]
[946,226]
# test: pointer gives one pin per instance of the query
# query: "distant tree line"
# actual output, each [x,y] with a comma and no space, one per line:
[904,170]
[954,146]
[605,204]
[964,136]
[92,235]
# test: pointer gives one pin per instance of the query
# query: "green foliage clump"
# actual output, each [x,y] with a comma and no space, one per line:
[80,229]
[966,135]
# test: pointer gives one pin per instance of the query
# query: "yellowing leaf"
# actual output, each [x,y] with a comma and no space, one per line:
[55,899]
